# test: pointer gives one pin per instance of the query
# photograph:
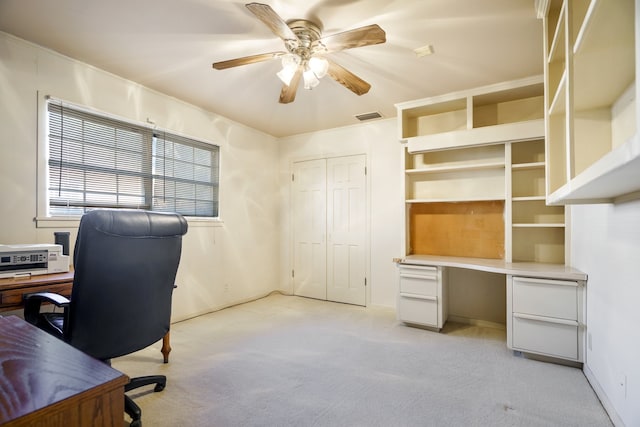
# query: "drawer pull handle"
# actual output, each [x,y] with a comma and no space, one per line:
[417,276]
[546,319]
[418,267]
[416,296]
[545,282]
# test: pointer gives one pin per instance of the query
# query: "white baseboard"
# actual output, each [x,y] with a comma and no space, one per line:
[604,399]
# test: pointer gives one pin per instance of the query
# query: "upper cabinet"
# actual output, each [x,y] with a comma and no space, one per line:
[593,147]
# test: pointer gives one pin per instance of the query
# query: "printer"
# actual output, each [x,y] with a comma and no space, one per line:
[32,259]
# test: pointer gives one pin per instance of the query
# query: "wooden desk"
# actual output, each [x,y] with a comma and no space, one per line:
[48,382]
[13,289]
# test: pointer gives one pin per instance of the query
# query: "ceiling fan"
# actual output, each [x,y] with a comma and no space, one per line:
[305,52]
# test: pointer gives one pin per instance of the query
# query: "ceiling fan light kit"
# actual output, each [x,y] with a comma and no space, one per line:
[306,50]
[314,68]
[290,64]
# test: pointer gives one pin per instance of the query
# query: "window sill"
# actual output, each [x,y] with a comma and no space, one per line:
[74,222]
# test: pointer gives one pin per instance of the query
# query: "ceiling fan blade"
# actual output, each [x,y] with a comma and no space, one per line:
[223,65]
[347,79]
[272,20]
[288,93]
[363,36]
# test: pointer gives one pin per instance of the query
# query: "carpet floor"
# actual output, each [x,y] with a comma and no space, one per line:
[291,361]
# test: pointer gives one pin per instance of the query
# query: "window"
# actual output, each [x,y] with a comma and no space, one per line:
[97,161]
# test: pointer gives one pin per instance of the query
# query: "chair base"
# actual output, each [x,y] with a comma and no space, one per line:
[130,407]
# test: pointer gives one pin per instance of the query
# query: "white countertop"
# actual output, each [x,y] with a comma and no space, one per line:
[531,269]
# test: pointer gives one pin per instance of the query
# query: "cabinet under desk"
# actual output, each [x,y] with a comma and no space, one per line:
[545,303]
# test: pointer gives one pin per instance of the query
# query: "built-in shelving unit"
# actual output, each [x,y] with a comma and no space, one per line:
[593,147]
[475,175]
[475,188]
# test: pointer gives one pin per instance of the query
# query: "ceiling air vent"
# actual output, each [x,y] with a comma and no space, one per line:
[368,116]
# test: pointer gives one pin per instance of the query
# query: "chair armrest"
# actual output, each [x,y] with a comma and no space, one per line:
[53,298]
[32,303]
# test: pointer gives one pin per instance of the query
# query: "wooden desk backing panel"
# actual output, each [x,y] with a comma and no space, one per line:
[464,229]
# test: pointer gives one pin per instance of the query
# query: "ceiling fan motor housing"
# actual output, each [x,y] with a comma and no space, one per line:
[308,34]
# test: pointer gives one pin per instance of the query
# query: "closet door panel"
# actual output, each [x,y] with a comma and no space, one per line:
[346,226]
[309,228]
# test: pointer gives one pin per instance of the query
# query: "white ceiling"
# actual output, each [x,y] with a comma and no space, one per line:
[169,46]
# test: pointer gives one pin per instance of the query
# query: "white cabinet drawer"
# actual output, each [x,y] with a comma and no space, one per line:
[417,309]
[419,280]
[548,338]
[542,297]
[419,285]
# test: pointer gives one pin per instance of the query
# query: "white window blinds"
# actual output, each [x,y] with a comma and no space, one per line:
[185,175]
[97,161]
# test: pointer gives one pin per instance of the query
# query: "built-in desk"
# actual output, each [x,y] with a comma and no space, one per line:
[530,269]
[46,382]
[545,302]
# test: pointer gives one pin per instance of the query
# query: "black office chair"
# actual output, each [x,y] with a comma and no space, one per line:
[125,265]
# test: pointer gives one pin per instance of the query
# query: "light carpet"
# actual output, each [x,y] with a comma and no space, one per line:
[291,361]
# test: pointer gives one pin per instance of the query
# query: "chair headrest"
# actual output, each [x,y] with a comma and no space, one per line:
[135,223]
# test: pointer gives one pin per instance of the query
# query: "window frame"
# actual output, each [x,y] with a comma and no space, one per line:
[44,218]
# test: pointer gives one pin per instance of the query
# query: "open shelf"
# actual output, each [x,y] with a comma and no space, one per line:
[592,108]
[457,185]
[474,158]
[461,118]
[538,244]
[529,210]
[508,106]
[536,212]
[442,168]
[528,182]
[530,152]
[434,118]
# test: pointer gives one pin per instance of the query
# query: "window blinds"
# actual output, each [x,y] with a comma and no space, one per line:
[185,175]
[97,161]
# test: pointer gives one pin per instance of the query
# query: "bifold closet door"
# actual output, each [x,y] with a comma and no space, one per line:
[329,221]
[309,229]
[346,229]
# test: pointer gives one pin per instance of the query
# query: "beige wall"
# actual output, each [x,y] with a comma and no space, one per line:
[223,263]
[605,244]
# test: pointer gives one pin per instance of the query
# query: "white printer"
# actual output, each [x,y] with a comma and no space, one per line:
[32,259]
